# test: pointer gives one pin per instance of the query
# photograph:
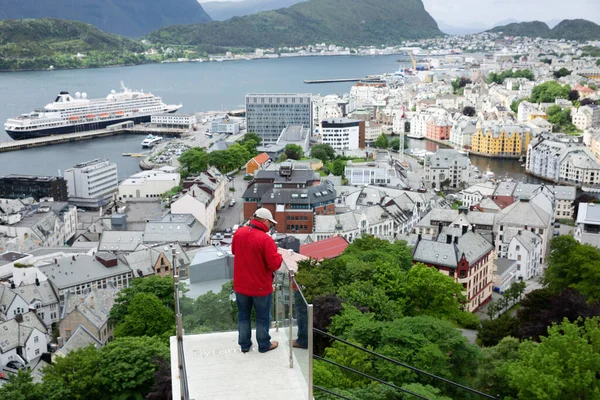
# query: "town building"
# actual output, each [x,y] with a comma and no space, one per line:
[23,339]
[38,187]
[526,249]
[295,134]
[225,125]
[447,168]
[92,184]
[506,274]
[213,182]
[153,183]
[438,127]
[380,173]
[324,249]
[256,163]
[293,193]
[38,297]
[588,224]
[502,140]
[476,193]
[176,228]
[586,117]
[78,273]
[352,225]
[343,133]
[462,131]
[173,121]
[464,255]
[268,114]
[158,260]
[562,159]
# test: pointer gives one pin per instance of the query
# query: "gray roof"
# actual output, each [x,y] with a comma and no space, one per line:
[120,240]
[142,210]
[94,306]
[145,257]
[349,221]
[15,334]
[472,245]
[183,228]
[589,213]
[43,293]
[314,194]
[298,175]
[445,158]
[68,272]
[7,296]
[524,213]
[503,265]
[506,188]
[79,339]
[528,239]
[212,263]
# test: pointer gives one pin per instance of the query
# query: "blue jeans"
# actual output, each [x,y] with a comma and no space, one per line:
[302,318]
[262,307]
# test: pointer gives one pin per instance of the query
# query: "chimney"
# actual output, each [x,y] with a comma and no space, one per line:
[448,239]
[73,258]
[12,285]
[465,229]
[455,239]
[473,228]
[37,282]
[92,302]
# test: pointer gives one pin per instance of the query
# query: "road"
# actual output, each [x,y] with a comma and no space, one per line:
[230,216]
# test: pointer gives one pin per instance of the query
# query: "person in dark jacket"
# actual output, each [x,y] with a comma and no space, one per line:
[255,261]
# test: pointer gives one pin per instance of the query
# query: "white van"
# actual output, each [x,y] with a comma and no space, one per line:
[235,228]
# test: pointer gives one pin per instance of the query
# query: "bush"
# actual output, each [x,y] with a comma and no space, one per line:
[248,177]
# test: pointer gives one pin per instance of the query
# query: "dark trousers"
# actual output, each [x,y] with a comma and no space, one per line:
[262,308]
[302,318]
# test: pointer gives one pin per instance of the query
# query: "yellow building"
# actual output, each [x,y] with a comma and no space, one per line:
[501,142]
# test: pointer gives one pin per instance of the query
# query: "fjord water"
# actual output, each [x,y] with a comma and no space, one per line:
[198,86]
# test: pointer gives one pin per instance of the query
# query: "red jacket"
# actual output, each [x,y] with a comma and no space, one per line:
[255,260]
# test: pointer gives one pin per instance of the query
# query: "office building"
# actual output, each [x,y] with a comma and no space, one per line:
[93,183]
[343,133]
[268,114]
[38,187]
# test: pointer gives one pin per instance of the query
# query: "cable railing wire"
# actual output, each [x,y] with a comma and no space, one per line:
[439,378]
[331,393]
[370,377]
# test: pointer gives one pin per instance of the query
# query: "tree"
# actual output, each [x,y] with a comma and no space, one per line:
[541,308]
[573,95]
[146,316]
[160,287]
[564,365]
[193,161]
[293,152]
[339,167]
[561,72]
[445,183]
[323,152]
[22,387]
[491,377]
[382,142]
[469,111]
[573,265]
[514,106]
[587,101]
[395,144]
[210,312]
[491,332]
[458,85]
[251,141]
[548,92]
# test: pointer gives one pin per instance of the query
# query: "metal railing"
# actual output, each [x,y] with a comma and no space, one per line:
[183,382]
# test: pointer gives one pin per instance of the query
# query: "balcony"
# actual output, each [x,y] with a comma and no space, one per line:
[207,362]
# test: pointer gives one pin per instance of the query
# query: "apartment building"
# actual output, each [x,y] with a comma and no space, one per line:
[93,183]
[343,134]
[447,167]
[502,140]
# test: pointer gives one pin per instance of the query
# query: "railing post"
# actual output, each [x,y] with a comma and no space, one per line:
[276,300]
[309,313]
[291,314]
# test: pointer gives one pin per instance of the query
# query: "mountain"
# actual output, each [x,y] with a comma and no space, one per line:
[222,10]
[344,22]
[133,18]
[575,29]
[40,43]
[532,29]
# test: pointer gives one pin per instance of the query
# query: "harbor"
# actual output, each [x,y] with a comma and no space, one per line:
[339,80]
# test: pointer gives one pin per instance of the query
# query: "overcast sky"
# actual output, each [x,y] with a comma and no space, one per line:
[489,12]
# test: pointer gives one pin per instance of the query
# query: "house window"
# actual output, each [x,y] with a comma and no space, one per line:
[36,339]
[53,315]
[37,352]
[518,247]
[519,257]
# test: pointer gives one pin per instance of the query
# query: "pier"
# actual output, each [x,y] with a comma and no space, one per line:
[311,81]
[74,137]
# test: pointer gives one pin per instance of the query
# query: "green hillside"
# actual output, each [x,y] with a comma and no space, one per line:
[531,29]
[40,43]
[132,18]
[344,22]
[576,29]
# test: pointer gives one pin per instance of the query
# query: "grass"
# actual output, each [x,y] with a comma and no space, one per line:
[568,222]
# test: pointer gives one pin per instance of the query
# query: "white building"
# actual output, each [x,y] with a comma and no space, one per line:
[343,134]
[225,125]
[92,183]
[476,193]
[23,339]
[586,117]
[148,184]
[526,249]
[351,225]
[20,299]
[462,131]
[588,224]
[177,121]
[447,165]
[371,173]
[372,131]
[198,203]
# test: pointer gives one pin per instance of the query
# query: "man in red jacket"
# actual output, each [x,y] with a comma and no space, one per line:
[255,261]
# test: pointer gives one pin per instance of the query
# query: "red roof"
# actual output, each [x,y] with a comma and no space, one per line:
[328,248]
[261,158]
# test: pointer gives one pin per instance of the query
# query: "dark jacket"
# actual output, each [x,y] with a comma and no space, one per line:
[255,260]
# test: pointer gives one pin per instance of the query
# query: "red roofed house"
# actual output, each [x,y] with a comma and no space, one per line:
[328,248]
[256,163]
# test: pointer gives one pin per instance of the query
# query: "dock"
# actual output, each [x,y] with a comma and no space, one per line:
[74,137]
[311,81]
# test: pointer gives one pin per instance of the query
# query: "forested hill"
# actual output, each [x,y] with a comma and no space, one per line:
[530,29]
[569,29]
[344,22]
[45,42]
[133,18]
[222,10]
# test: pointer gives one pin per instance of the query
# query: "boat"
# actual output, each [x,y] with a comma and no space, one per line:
[489,173]
[463,152]
[151,141]
[68,114]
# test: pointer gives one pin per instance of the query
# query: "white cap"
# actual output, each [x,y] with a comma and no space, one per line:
[263,213]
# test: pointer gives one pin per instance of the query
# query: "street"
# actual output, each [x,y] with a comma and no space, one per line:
[230,216]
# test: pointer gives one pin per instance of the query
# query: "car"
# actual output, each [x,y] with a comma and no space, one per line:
[556,232]
[232,203]
[15,365]
[557,225]
[227,230]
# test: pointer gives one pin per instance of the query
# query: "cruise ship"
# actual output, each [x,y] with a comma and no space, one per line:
[69,114]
